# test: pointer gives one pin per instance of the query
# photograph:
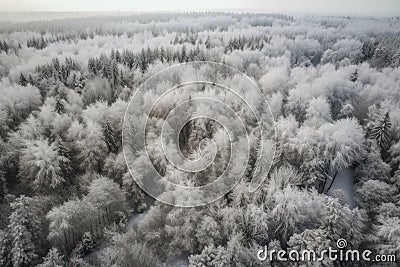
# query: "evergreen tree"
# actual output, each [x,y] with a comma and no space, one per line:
[109,135]
[162,54]
[6,47]
[30,79]
[208,42]
[126,250]
[22,80]
[114,72]
[183,55]
[211,256]
[23,229]
[85,245]
[354,76]
[395,155]
[22,249]
[3,185]
[64,152]
[380,131]
[149,55]
[142,61]
[5,244]
[41,163]
[118,56]
[92,147]
[59,106]
[52,259]
[311,240]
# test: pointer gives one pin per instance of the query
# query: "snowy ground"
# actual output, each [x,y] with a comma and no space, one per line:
[344,182]
[136,219]
[181,260]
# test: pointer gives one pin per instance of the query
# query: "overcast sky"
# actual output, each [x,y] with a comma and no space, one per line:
[342,7]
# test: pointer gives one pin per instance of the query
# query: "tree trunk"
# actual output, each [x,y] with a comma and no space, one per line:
[333,180]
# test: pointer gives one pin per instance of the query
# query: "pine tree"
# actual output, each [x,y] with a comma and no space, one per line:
[85,245]
[109,136]
[112,53]
[118,56]
[22,246]
[59,106]
[41,163]
[208,42]
[380,131]
[142,61]
[261,46]
[3,185]
[30,79]
[64,152]
[354,76]
[92,147]
[149,55]
[183,55]
[114,72]
[22,80]
[52,259]
[211,256]
[23,229]
[5,244]
[126,250]
[6,47]
[162,54]
[395,155]
[313,173]
[311,240]
[92,65]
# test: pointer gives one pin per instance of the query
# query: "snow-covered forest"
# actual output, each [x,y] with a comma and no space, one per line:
[69,198]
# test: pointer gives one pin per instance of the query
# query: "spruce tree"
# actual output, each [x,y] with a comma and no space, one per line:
[380,131]
[53,259]
[5,244]
[354,76]
[23,228]
[60,109]
[142,61]
[109,135]
[22,80]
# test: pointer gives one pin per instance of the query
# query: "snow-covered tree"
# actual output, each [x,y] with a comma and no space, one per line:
[318,112]
[92,147]
[380,131]
[41,164]
[5,245]
[107,197]
[52,259]
[311,240]
[125,250]
[23,230]
[211,256]
[17,102]
[340,222]
[373,193]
